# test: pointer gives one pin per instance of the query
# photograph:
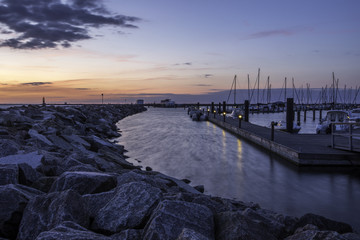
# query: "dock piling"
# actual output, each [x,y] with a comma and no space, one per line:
[272,130]
[298,118]
[246,110]
[313,113]
[289,114]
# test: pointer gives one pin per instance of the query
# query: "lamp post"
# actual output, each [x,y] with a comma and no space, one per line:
[214,113]
[224,114]
[208,111]
[102,98]
[240,119]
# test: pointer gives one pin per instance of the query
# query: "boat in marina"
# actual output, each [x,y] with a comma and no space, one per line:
[333,116]
[236,112]
[197,114]
[355,115]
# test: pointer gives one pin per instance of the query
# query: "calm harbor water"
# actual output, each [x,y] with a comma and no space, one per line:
[169,142]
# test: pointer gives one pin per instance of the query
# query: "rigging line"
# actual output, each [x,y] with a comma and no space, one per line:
[232,85]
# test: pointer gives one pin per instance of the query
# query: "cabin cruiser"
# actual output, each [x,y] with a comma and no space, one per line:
[236,112]
[332,116]
[355,115]
[197,114]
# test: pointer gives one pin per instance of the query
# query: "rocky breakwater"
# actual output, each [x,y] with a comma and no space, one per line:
[61,178]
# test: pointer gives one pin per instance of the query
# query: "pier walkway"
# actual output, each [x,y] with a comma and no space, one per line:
[301,149]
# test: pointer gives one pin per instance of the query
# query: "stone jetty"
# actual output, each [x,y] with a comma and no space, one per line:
[61,177]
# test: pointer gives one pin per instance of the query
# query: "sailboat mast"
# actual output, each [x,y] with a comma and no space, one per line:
[285,90]
[235,90]
[258,95]
[248,87]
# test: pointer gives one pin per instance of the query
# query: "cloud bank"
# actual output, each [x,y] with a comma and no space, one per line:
[39,24]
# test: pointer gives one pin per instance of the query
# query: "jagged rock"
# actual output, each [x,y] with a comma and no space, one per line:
[171,217]
[27,175]
[34,134]
[75,139]
[9,174]
[137,176]
[234,225]
[13,199]
[83,168]
[180,184]
[323,223]
[279,225]
[200,188]
[115,157]
[32,158]
[312,232]
[128,234]
[8,147]
[70,231]
[59,142]
[95,202]
[44,183]
[131,205]
[97,143]
[46,211]
[189,234]
[84,182]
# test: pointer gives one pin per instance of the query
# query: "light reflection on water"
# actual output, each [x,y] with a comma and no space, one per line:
[168,141]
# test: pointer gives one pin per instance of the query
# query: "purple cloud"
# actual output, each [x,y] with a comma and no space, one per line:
[42,24]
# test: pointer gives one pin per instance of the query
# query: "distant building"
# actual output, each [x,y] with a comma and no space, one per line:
[167,103]
[140,101]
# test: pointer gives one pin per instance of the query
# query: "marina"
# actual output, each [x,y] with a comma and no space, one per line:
[301,149]
[167,140]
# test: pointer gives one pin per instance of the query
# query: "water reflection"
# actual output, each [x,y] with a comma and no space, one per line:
[169,142]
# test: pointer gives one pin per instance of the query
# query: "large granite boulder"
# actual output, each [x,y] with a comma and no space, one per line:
[46,211]
[9,174]
[8,147]
[13,199]
[44,183]
[278,224]
[170,218]
[84,182]
[97,201]
[312,232]
[70,231]
[323,223]
[27,174]
[129,208]
[235,225]
[32,158]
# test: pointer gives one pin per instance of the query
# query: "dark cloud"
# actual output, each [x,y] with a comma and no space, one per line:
[202,85]
[186,64]
[270,33]
[36,83]
[52,23]
[83,89]
[280,32]
[208,75]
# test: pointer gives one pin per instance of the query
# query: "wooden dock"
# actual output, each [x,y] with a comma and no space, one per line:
[301,149]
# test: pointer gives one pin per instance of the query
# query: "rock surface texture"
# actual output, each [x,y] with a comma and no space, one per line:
[62,178]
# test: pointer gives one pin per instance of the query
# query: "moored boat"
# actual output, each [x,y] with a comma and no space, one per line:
[332,116]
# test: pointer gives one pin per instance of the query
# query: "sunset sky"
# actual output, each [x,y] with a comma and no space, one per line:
[75,50]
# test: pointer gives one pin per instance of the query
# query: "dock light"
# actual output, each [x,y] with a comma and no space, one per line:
[224,114]
[214,113]
[240,119]
[208,111]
